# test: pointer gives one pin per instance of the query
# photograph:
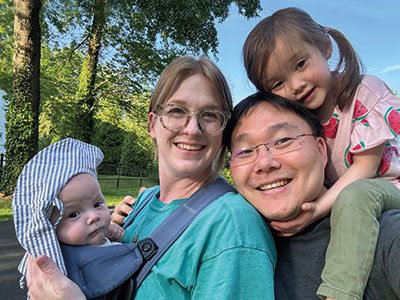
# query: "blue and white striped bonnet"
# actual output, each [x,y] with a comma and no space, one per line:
[38,186]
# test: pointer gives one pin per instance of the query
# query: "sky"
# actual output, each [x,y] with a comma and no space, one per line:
[373,28]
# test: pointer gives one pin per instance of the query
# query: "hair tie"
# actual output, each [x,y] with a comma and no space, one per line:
[326,29]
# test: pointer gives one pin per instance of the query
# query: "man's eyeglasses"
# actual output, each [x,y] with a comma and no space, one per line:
[282,145]
[175,118]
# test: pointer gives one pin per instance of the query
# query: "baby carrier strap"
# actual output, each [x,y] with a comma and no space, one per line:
[100,271]
[169,231]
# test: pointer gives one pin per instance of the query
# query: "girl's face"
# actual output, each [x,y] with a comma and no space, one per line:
[299,73]
[189,152]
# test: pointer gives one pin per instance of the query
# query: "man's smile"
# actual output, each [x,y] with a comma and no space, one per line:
[273,185]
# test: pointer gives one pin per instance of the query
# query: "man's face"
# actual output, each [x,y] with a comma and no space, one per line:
[277,185]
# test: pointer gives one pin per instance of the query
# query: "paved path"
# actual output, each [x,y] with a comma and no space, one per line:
[10,256]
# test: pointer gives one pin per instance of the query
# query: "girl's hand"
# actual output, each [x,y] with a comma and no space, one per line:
[45,281]
[308,215]
[115,232]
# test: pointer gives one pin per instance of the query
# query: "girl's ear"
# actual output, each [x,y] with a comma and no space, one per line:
[328,51]
[152,118]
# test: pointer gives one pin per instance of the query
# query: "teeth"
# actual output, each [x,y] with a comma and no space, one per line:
[189,147]
[273,185]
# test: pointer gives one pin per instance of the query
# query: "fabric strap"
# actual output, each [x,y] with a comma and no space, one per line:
[169,230]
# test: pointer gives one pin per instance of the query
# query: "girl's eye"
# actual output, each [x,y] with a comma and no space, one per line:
[300,64]
[276,85]
[73,215]
[99,204]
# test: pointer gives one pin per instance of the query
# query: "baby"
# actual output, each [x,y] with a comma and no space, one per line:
[58,199]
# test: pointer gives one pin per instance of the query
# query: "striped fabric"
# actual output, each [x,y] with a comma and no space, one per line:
[38,185]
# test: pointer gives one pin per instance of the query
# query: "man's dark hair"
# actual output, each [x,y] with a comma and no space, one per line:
[278,102]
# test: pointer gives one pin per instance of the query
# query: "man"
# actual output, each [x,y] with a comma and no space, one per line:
[278,156]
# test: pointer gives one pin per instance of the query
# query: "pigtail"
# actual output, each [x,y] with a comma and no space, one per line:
[349,69]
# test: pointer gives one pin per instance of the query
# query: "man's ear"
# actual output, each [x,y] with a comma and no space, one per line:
[322,149]
[152,118]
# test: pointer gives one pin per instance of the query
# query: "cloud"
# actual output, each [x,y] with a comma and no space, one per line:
[391,69]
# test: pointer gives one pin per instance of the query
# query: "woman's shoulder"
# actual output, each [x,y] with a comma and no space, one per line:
[234,214]
[233,203]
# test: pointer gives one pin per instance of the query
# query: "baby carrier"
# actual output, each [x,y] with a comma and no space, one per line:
[96,269]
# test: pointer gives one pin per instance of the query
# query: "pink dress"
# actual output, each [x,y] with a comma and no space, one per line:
[372,119]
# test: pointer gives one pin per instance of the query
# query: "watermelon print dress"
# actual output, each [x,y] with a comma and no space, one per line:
[373,119]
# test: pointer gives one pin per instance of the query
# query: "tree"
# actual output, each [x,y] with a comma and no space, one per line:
[23,107]
[142,36]
[84,110]
[6,44]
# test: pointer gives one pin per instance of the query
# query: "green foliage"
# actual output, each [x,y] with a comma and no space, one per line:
[59,70]
[20,127]
[6,45]
[226,173]
[109,137]
[139,39]
[136,160]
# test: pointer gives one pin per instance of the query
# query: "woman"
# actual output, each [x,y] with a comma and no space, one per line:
[226,252]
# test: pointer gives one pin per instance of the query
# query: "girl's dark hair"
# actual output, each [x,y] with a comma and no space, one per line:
[276,101]
[295,26]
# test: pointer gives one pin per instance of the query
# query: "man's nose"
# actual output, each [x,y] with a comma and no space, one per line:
[265,161]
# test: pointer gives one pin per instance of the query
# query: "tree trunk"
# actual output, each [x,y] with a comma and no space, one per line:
[22,118]
[86,100]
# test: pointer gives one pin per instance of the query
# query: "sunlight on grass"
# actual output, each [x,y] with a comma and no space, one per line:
[113,196]
[5,209]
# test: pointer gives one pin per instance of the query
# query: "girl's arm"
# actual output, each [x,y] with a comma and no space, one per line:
[365,165]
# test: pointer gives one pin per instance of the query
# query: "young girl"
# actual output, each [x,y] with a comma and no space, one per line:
[287,54]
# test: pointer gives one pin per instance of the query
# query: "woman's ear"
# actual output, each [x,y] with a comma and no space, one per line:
[152,118]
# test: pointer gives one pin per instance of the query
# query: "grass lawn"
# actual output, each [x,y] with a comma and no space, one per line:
[5,209]
[113,196]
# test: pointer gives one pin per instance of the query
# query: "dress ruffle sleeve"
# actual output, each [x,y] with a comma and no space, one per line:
[378,126]
[376,121]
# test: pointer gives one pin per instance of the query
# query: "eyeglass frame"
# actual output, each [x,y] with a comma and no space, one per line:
[189,114]
[268,147]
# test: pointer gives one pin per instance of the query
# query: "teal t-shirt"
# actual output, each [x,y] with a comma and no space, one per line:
[227,252]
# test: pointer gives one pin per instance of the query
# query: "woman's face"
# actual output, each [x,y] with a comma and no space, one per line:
[189,152]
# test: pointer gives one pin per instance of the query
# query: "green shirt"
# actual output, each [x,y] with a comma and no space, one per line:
[226,253]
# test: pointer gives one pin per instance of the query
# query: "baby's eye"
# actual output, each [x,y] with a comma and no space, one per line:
[74,215]
[99,204]
[300,64]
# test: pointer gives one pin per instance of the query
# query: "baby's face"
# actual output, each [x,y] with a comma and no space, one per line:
[86,217]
